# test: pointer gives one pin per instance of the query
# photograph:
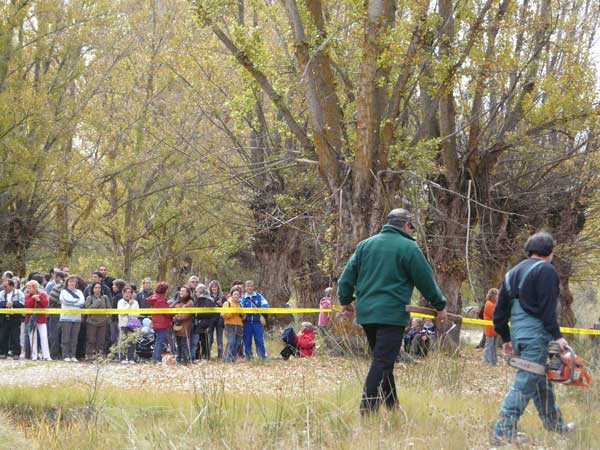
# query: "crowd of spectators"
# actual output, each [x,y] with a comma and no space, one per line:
[129,336]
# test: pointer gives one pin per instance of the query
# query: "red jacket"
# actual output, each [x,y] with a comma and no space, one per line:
[31,303]
[159,321]
[306,342]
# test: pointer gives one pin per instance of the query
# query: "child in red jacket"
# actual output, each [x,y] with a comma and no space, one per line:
[306,339]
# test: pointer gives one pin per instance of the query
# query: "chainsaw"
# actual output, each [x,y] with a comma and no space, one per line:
[566,368]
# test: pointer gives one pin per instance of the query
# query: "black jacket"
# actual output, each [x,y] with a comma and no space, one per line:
[142,297]
[538,297]
[202,322]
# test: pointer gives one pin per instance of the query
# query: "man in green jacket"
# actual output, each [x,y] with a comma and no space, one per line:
[382,274]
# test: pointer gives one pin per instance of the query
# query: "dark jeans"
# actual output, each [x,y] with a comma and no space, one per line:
[200,340]
[216,327]
[234,335]
[27,349]
[54,336]
[170,340]
[82,340]
[183,349]
[161,338]
[380,386]
[95,336]
[10,333]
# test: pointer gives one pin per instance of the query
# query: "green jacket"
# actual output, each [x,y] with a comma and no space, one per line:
[93,302]
[383,272]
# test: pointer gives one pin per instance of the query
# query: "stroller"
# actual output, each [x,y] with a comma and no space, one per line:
[291,344]
[145,344]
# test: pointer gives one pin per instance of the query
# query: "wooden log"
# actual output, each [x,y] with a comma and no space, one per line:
[423,310]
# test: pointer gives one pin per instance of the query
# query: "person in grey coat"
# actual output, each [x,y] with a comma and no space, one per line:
[70,298]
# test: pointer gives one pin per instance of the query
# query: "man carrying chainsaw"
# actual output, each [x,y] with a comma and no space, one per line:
[382,272]
[528,298]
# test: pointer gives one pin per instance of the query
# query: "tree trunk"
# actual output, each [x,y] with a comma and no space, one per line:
[566,316]
[448,246]
[19,226]
[567,221]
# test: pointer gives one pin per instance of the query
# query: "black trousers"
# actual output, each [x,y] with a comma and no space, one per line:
[204,347]
[10,332]
[380,386]
[54,335]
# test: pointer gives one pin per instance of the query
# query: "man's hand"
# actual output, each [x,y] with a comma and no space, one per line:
[442,315]
[507,348]
[562,343]
[440,318]
[348,310]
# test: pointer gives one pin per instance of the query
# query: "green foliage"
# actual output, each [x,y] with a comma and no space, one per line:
[130,134]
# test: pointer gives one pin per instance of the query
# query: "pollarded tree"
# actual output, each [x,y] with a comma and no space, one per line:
[379,83]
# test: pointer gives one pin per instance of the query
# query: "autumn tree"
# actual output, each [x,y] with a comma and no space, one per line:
[381,81]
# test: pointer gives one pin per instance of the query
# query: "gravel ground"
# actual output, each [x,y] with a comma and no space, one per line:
[278,377]
[275,375]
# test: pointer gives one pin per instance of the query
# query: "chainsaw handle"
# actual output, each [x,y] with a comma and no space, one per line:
[570,350]
[572,369]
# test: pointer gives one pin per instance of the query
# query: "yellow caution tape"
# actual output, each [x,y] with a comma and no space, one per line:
[173,311]
[469,321]
[145,311]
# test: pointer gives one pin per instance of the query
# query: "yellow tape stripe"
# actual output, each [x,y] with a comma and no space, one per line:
[469,321]
[172,311]
[88,312]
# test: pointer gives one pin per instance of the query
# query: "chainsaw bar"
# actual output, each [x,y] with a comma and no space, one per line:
[527,366]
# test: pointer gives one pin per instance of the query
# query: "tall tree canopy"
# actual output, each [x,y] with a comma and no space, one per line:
[269,137]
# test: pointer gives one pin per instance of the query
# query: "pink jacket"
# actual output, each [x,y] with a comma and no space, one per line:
[325,303]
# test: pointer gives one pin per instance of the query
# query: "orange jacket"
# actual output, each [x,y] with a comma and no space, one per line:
[488,312]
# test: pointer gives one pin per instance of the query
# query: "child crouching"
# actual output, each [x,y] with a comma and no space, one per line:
[302,344]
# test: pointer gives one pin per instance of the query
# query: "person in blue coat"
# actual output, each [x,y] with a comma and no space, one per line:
[252,324]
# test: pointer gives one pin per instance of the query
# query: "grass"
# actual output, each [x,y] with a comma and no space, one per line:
[11,439]
[447,403]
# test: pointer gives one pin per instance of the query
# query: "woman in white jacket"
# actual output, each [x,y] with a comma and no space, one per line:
[70,298]
[127,303]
